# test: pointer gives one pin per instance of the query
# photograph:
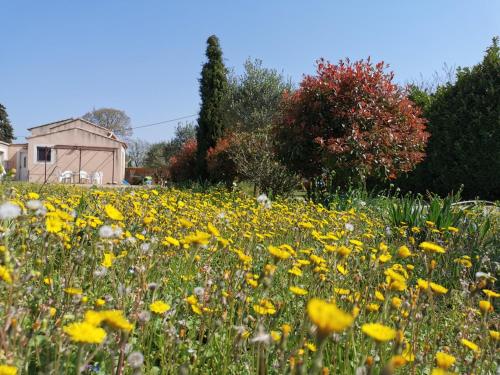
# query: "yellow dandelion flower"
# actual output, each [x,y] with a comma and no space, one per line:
[404,252]
[159,307]
[344,251]
[436,288]
[341,269]
[396,302]
[171,241]
[444,360]
[311,346]
[278,253]
[485,306]
[491,293]
[85,333]
[265,307]
[431,247]
[286,328]
[373,307]
[356,243]
[73,291]
[298,291]
[470,345]
[379,296]
[213,230]
[113,213]
[341,291]
[5,275]
[8,370]
[295,271]
[113,318]
[494,335]
[276,336]
[108,260]
[198,238]
[328,317]
[378,332]
[53,224]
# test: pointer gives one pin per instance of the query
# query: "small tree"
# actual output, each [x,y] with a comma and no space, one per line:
[113,119]
[250,156]
[136,152]
[213,90]
[182,166]
[254,98]
[353,120]
[183,133]
[6,131]
[155,156]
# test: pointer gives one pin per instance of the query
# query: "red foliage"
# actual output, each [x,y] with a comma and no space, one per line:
[182,166]
[220,166]
[352,119]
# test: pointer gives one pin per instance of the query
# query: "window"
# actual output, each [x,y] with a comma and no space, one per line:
[43,154]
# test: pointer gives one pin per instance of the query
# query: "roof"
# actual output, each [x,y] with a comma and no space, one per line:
[53,123]
[56,124]
[114,139]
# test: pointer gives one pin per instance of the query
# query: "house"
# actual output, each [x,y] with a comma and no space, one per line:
[71,150]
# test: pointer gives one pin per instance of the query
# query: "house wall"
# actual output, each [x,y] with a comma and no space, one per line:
[4,154]
[13,160]
[69,160]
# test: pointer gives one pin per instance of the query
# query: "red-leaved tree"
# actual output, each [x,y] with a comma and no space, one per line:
[220,165]
[350,119]
[182,166]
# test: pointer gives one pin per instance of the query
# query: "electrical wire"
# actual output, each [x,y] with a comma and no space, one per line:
[163,122]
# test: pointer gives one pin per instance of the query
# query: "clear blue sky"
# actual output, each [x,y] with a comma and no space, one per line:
[61,58]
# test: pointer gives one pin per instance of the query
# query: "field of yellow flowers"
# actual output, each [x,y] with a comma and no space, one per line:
[166,281]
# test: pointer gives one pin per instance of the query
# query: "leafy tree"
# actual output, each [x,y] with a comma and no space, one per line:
[155,156]
[6,131]
[183,133]
[182,166]
[213,90]
[254,98]
[220,165]
[353,120]
[255,159]
[250,156]
[464,122]
[137,152]
[113,119]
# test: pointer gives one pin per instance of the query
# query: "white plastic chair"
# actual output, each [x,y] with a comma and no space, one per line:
[66,177]
[97,178]
[84,177]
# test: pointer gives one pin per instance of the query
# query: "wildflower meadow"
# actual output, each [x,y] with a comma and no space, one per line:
[166,281]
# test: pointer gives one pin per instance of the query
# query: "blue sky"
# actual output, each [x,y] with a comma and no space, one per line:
[61,58]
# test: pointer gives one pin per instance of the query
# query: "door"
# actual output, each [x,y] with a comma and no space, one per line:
[23,166]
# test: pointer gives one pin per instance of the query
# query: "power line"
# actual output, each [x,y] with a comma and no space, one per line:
[164,122]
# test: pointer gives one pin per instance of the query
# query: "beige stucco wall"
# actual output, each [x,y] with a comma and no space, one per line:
[13,160]
[4,154]
[68,159]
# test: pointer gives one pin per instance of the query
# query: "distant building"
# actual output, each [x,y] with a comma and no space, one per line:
[71,150]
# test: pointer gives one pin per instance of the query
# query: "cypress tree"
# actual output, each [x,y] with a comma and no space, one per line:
[6,131]
[213,90]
